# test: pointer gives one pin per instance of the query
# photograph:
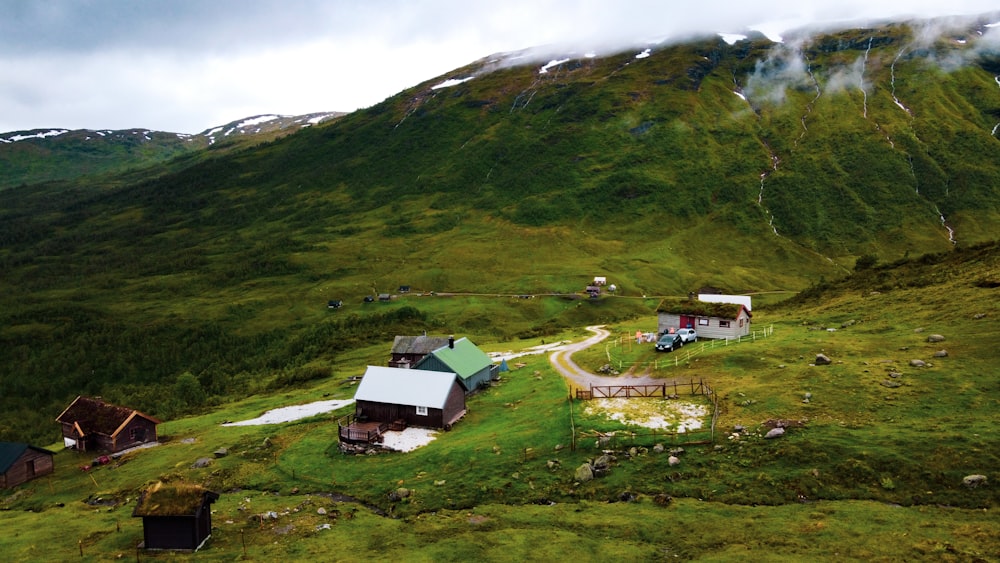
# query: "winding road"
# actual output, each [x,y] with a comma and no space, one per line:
[566,367]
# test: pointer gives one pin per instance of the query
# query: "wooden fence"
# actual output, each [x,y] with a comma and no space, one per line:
[671,389]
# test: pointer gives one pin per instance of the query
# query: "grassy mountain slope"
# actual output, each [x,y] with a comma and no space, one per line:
[867,470]
[748,167]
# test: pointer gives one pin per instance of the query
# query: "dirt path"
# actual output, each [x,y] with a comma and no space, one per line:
[564,364]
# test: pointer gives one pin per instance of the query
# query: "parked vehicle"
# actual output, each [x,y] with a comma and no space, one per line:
[669,342]
[688,334]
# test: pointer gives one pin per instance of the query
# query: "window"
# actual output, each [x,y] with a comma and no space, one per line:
[702,322]
[724,324]
[741,322]
[422,411]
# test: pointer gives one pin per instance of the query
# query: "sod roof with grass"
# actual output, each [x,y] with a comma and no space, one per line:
[700,308]
[180,499]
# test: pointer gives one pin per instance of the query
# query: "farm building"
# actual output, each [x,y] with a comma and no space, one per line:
[408,350]
[394,398]
[175,516]
[474,368]
[91,424]
[711,320]
[20,463]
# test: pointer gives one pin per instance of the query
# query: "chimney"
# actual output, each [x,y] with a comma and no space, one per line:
[451,341]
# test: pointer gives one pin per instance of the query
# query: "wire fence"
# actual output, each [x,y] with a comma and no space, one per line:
[620,352]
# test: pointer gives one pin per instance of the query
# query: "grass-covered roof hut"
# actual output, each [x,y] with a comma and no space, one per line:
[175,516]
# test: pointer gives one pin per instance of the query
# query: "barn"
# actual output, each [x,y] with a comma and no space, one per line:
[711,320]
[430,399]
[175,516]
[474,368]
[408,350]
[92,425]
[20,463]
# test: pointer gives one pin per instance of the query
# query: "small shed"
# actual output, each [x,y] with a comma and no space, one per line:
[711,320]
[90,424]
[384,297]
[20,463]
[430,399]
[475,369]
[600,280]
[408,350]
[175,516]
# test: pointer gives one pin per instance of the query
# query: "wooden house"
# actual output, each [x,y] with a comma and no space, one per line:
[175,516]
[397,398]
[93,425]
[710,320]
[20,463]
[474,368]
[408,350]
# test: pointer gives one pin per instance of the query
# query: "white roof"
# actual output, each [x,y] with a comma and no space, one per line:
[401,386]
[734,299]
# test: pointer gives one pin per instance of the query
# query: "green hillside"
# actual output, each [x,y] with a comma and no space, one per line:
[651,171]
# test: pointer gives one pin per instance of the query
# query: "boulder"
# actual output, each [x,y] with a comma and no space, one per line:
[775,433]
[658,448]
[584,473]
[673,460]
[321,511]
[201,462]
[822,360]
[918,363]
[941,354]
[974,481]
[935,338]
[221,452]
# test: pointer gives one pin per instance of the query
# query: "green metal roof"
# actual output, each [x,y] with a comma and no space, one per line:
[465,359]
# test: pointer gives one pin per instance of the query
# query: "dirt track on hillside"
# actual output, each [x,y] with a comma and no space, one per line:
[562,361]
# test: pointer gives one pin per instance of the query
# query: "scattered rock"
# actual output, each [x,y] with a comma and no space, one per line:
[295,490]
[440,483]
[891,384]
[781,366]
[822,360]
[673,460]
[918,363]
[941,354]
[738,428]
[553,464]
[321,511]
[188,441]
[584,473]
[221,452]
[978,316]
[974,481]
[775,433]
[627,496]
[267,442]
[558,447]
[201,462]
[848,323]
[658,448]
[895,374]
[676,451]
[399,494]
[662,499]
[935,338]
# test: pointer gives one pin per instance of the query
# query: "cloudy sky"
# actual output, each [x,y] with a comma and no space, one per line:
[188,65]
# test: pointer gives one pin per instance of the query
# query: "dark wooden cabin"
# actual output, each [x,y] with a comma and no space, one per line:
[93,425]
[20,463]
[394,398]
[175,516]
[408,350]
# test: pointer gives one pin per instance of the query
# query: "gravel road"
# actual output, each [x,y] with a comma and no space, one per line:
[564,364]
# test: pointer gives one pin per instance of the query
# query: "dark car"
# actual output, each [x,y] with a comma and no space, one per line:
[669,342]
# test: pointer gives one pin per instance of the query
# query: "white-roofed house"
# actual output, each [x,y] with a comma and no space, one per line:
[394,398]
